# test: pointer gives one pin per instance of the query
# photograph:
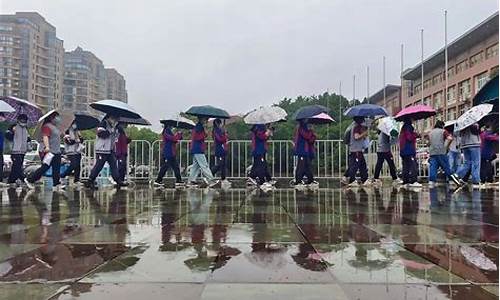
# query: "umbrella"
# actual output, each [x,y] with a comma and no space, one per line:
[115,107]
[450,125]
[38,129]
[139,121]
[208,111]
[473,115]
[488,93]
[179,122]
[309,111]
[22,107]
[388,126]
[5,107]
[85,121]
[415,112]
[322,118]
[366,110]
[264,115]
[48,114]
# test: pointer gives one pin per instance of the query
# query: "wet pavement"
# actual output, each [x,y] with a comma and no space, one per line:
[365,243]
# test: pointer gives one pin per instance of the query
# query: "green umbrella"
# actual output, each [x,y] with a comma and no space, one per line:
[208,111]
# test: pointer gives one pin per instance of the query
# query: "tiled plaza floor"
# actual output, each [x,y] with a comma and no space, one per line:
[365,243]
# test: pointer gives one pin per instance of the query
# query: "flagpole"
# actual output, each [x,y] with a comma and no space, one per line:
[353,87]
[368,84]
[327,109]
[383,78]
[402,69]
[422,65]
[446,65]
[340,109]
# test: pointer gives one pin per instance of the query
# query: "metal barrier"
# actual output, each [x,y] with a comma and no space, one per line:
[145,158]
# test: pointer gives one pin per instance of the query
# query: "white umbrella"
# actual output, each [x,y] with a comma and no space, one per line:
[179,122]
[478,258]
[473,115]
[5,107]
[265,114]
[387,125]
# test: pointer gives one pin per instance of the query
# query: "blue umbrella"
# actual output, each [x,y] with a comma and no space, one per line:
[365,110]
[309,111]
[208,111]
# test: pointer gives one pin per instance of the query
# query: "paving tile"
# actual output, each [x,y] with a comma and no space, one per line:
[337,233]
[270,263]
[150,291]
[115,233]
[418,234]
[382,263]
[32,291]
[248,291]
[255,233]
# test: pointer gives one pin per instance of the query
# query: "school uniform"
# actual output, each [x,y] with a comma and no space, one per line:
[169,155]
[305,152]
[220,138]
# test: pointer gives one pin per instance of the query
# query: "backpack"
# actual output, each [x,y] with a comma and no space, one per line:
[347,135]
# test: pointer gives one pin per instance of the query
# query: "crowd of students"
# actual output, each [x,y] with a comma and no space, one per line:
[111,146]
[469,153]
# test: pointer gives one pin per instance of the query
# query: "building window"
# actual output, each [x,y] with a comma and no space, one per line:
[416,90]
[451,95]
[427,84]
[475,59]
[438,100]
[462,66]
[464,90]
[427,100]
[451,72]
[481,80]
[492,51]
[452,114]
[437,79]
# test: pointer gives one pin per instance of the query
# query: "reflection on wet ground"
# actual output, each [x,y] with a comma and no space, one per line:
[367,243]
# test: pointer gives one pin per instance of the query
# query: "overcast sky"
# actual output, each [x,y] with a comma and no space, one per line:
[242,54]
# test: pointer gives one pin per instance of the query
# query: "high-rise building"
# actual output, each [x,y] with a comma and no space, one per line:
[31,59]
[84,80]
[472,61]
[115,85]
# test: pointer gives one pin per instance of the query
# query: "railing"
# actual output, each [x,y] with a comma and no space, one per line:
[144,159]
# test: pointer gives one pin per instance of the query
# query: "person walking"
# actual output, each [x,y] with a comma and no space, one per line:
[200,164]
[121,151]
[3,128]
[470,144]
[453,152]
[384,153]
[169,156]
[439,140]
[220,137]
[304,151]
[19,136]
[489,141]
[408,151]
[357,145]
[259,174]
[50,153]
[73,148]
[104,149]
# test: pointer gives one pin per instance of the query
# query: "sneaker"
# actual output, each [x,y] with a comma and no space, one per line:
[415,185]
[432,183]
[300,187]
[191,184]
[476,186]
[179,184]
[377,181]
[344,180]
[266,186]
[313,185]
[272,182]
[29,184]
[367,182]
[397,181]
[251,181]
[213,184]
[226,182]
[157,184]
[455,179]
[353,184]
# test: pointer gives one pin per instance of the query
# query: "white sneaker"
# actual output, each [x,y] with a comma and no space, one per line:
[29,184]
[313,185]
[368,182]
[226,182]
[432,183]
[344,180]
[455,179]
[272,182]
[251,181]
[398,181]
[476,186]
[157,184]
[191,185]
[299,187]
[415,185]
[179,184]
[213,184]
[353,184]
[377,181]
[59,188]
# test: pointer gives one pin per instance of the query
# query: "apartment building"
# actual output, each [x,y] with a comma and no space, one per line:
[115,85]
[472,61]
[84,80]
[31,59]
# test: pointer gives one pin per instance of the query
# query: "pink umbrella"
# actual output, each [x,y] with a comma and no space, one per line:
[415,112]
[322,118]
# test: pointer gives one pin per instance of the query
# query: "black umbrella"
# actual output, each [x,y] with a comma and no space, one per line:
[309,111]
[116,108]
[208,111]
[85,121]
[139,121]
